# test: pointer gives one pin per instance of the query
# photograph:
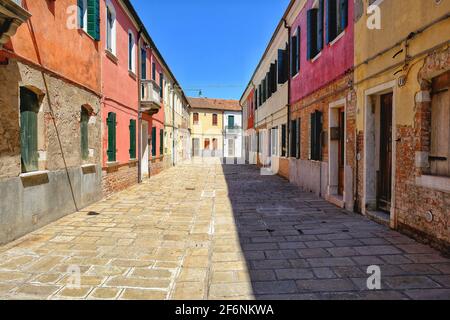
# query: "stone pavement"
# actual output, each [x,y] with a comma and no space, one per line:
[207,231]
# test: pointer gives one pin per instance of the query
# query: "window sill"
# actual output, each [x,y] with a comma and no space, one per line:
[111,56]
[81,30]
[316,57]
[88,168]
[35,178]
[295,76]
[112,164]
[132,75]
[434,182]
[341,35]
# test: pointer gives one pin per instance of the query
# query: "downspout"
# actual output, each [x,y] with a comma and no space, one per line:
[288,124]
[139,105]
[173,127]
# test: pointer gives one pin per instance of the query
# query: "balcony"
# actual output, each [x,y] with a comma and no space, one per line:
[12,15]
[233,129]
[151,101]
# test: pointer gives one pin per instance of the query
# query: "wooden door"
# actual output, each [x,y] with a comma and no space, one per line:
[385,173]
[341,151]
[196,147]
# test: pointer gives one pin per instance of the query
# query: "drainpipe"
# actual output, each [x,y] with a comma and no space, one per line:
[173,127]
[139,66]
[288,124]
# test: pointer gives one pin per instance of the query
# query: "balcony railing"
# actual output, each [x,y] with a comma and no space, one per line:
[12,15]
[151,101]
[233,129]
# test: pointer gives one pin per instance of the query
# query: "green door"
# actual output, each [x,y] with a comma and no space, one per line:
[29,108]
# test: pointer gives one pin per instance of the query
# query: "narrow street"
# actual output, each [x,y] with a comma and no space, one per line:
[206,231]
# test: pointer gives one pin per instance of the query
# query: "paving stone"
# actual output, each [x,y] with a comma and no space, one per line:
[342,252]
[294,274]
[323,273]
[74,293]
[418,269]
[377,250]
[105,293]
[330,262]
[313,253]
[410,282]
[120,281]
[271,287]
[35,291]
[429,294]
[426,258]
[140,294]
[444,280]
[325,285]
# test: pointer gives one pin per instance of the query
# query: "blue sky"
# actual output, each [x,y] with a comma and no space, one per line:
[212,45]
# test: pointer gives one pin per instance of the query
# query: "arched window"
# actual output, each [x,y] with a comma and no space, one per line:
[29,108]
[131,52]
[110,27]
[84,133]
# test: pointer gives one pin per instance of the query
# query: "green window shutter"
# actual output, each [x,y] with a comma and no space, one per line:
[144,64]
[154,141]
[161,83]
[230,121]
[312,33]
[29,108]
[111,122]
[161,142]
[84,131]
[132,139]
[293,138]
[80,14]
[93,17]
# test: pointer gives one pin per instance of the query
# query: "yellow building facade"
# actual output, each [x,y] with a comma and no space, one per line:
[402,64]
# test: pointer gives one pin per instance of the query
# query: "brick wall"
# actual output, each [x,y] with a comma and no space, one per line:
[118,178]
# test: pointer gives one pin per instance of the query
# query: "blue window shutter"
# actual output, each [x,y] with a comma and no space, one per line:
[293,55]
[320,26]
[80,14]
[297,52]
[344,13]
[312,33]
[330,19]
[281,63]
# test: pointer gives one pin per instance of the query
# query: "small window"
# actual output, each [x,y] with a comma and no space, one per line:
[316,136]
[143,64]
[440,126]
[295,52]
[132,128]
[195,118]
[336,18]
[161,141]
[110,28]
[29,108]
[153,71]
[83,14]
[154,142]
[230,122]
[283,141]
[161,84]
[84,132]
[131,52]
[214,119]
[207,144]
[111,124]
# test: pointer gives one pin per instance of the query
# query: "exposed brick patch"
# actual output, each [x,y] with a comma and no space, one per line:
[118,178]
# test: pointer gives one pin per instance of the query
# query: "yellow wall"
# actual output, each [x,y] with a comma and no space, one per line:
[398,19]
[205,129]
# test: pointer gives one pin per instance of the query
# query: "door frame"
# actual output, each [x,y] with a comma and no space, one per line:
[369,176]
[333,177]
[145,150]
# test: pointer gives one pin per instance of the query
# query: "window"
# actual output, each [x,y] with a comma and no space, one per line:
[161,141]
[110,27]
[195,118]
[274,142]
[282,66]
[143,64]
[131,52]
[29,108]
[153,71]
[293,135]
[260,95]
[132,128]
[295,52]
[273,77]
[316,136]
[206,144]
[154,141]
[88,17]
[111,124]
[161,84]
[84,132]
[214,119]
[313,49]
[336,18]
[82,14]
[230,122]
[283,141]
[440,126]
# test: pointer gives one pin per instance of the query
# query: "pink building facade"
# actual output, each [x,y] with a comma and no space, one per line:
[322,101]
